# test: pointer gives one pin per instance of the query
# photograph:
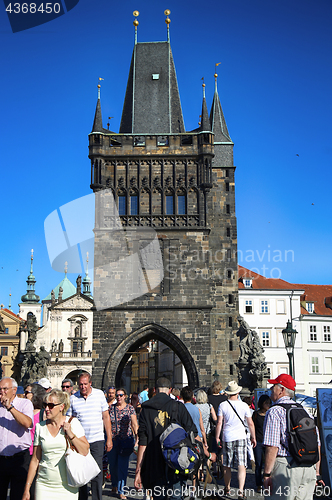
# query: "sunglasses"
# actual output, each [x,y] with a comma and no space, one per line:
[65,386]
[51,405]
[119,395]
[27,392]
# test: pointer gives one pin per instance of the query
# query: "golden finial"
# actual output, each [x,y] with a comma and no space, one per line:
[66,268]
[135,23]
[216,74]
[167,21]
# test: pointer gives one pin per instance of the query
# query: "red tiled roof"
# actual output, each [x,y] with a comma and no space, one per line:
[320,295]
[11,313]
[261,283]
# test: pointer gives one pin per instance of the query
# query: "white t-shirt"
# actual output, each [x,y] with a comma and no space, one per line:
[233,429]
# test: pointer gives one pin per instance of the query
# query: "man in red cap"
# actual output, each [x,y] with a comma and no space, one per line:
[285,478]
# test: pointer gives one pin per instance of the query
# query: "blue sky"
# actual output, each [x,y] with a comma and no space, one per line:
[275,81]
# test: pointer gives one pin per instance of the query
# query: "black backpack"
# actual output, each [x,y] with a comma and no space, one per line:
[181,451]
[303,442]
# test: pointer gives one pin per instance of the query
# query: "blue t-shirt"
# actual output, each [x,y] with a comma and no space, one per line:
[144,396]
[195,415]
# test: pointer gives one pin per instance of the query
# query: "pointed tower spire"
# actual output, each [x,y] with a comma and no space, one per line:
[217,119]
[98,122]
[205,121]
[152,101]
[30,296]
[86,280]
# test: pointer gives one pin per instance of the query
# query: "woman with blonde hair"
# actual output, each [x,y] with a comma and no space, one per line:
[208,413]
[50,447]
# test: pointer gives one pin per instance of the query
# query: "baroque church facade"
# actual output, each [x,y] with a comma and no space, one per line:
[155,182]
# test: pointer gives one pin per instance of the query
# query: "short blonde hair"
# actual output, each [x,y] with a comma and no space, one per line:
[62,398]
[201,397]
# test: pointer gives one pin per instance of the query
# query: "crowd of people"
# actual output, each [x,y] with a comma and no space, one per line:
[37,425]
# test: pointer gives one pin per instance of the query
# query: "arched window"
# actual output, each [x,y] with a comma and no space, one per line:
[122,202]
[134,204]
[169,204]
[182,209]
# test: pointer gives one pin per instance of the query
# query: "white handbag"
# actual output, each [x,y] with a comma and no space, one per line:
[80,468]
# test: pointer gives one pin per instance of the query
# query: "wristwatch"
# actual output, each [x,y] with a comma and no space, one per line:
[10,408]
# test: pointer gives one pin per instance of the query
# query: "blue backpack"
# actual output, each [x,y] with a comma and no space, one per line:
[181,452]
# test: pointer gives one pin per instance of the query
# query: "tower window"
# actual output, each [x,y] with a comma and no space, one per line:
[169,204]
[134,205]
[230,323]
[231,345]
[122,204]
[228,209]
[181,204]
[228,232]
[230,298]
[227,173]
[4,351]
[227,186]
[231,370]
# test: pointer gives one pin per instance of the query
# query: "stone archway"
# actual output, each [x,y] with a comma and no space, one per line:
[120,355]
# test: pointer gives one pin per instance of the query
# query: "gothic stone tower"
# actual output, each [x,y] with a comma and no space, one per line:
[180,184]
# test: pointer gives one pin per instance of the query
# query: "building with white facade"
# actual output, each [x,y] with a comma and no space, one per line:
[267,304]
[67,330]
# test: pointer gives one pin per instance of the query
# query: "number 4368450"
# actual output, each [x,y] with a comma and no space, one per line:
[33,8]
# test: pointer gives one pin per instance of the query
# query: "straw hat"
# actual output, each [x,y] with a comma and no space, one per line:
[233,388]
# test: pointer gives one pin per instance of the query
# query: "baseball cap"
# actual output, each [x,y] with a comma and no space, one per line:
[285,380]
[44,382]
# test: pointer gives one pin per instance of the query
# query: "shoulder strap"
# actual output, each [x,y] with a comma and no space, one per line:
[69,443]
[116,421]
[236,413]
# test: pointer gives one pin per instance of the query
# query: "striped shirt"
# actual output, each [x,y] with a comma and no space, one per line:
[89,412]
[275,427]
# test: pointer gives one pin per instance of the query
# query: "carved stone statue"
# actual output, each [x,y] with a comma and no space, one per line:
[60,346]
[32,327]
[78,284]
[34,364]
[60,294]
[251,365]
[2,325]
[53,346]
[52,297]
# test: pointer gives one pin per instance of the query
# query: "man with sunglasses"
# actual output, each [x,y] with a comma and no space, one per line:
[16,417]
[67,385]
[90,407]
